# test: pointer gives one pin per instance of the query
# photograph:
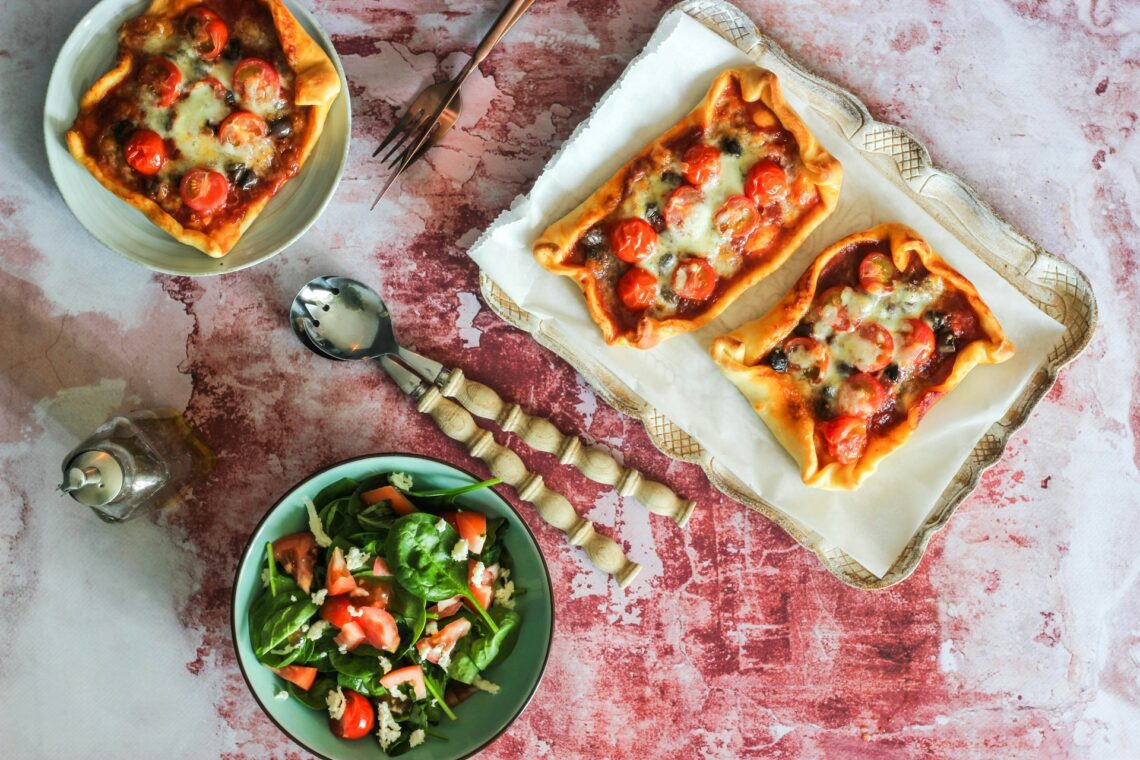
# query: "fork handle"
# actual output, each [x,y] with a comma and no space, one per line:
[514,10]
[552,506]
[594,463]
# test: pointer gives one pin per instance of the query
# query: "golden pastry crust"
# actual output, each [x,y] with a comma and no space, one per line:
[316,85]
[782,405]
[554,247]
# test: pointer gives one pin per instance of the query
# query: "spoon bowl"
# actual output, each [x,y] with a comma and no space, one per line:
[342,319]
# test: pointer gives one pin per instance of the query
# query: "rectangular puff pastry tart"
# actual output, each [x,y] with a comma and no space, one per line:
[704,212]
[870,337]
[210,109]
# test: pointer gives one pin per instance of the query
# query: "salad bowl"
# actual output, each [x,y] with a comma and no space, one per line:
[482,717]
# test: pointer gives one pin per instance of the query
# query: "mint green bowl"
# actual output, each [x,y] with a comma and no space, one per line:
[482,717]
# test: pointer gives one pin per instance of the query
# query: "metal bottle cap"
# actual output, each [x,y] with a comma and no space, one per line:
[93,478]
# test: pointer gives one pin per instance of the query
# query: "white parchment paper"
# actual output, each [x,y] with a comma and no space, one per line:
[873,524]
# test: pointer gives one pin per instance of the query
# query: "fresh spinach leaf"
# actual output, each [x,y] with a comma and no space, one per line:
[353,665]
[451,493]
[419,555]
[410,612]
[292,651]
[314,698]
[282,622]
[338,490]
[472,654]
[337,517]
[367,685]
[493,545]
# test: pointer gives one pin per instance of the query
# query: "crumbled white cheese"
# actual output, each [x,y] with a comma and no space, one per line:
[445,658]
[385,665]
[335,701]
[282,695]
[505,574]
[342,649]
[304,627]
[431,628]
[503,595]
[441,525]
[395,693]
[315,526]
[354,611]
[478,572]
[292,597]
[459,551]
[401,480]
[416,738]
[389,729]
[487,686]
[355,559]
[317,629]
[265,578]
[319,596]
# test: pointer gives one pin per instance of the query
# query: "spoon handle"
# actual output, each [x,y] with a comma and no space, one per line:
[594,463]
[552,506]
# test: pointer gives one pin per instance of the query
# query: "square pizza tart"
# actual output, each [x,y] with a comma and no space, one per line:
[701,214]
[210,109]
[876,331]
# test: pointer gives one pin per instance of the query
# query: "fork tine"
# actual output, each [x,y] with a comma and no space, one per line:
[398,127]
[423,142]
[420,121]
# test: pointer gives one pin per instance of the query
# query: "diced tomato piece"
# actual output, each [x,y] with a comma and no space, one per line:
[701,164]
[694,278]
[737,217]
[766,182]
[860,395]
[358,717]
[680,202]
[380,629]
[637,289]
[874,347]
[338,579]
[472,527]
[351,636]
[256,80]
[204,190]
[297,554]
[433,648]
[208,33]
[483,587]
[371,592]
[876,273]
[917,344]
[448,607]
[808,357]
[338,610]
[845,438]
[301,675]
[633,239]
[163,78]
[412,674]
[394,496]
[380,568]
[145,152]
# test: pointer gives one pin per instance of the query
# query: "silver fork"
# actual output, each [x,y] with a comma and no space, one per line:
[415,131]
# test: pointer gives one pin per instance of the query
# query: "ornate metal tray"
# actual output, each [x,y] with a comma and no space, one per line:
[1051,283]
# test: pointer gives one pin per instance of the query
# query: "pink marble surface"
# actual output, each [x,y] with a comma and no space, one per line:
[1019,635]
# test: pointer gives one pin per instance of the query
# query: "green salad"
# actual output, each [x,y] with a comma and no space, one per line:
[387,611]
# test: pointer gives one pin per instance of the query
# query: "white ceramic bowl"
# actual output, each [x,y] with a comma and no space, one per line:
[87,54]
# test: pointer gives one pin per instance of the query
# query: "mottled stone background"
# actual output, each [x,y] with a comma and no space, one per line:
[1019,635]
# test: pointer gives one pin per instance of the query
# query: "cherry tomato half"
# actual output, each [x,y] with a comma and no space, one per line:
[873,347]
[679,203]
[145,152]
[737,218]
[694,278]
[845,438]
[208,33]
[256,81]
[876,274]
[830,309]
[637,289]
[242,126]
[357,719]
[808,356]
[701,164]
[860,395]
[632,239]
[765,182]
[162,78]
[917,344]
[204,190]
[762,237]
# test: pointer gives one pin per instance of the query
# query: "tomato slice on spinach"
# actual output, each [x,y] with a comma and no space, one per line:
[297,554]
[412,674]
[338,578]
[301,675]
[432,648]
[472,527]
